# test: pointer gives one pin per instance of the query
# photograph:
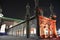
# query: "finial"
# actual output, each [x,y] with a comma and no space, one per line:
[52,13]
[36,3]
[27,11]
[27,6]
[51,8]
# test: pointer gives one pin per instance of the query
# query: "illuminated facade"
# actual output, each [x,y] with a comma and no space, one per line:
[10,22]
[36,26]
[47,27]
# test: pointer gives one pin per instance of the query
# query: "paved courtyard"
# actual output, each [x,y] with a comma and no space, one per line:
[23,38]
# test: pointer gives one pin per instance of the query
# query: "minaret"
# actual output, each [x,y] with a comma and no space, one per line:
[41,12]
[1,15]
[28,10]
[51,10]
[37,18]
[36,3]
[27,17]
[36,6]
[53,17]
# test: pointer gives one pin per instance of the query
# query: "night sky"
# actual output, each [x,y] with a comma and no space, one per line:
[17,8]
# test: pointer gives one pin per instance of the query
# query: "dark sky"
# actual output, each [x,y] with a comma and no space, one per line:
[16,8]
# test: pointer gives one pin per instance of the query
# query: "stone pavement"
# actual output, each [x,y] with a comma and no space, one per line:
[23,38]
[15,38]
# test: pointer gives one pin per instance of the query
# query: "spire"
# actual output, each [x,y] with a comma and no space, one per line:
[52,13]
[27,17]
[51,10]
[41,11]
[1,15]
[36,13]
[27,10]
[36,8]
[36,3]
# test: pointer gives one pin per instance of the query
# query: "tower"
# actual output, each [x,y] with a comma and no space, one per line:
[27,17]
[52,12]
[53,21]
[27,10]
[37,18]
[1,15]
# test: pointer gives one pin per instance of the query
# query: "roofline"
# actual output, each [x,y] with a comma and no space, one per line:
[11,19]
